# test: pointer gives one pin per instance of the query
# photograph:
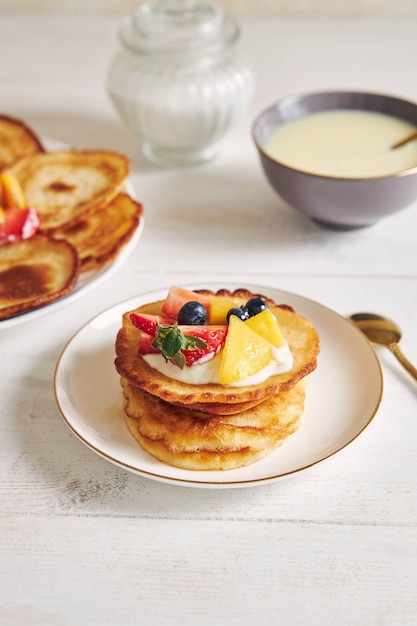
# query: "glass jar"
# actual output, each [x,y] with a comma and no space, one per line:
[178,81]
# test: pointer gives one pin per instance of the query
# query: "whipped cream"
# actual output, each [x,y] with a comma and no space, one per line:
[208,372]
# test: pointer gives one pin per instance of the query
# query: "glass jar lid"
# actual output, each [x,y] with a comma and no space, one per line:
[169,26]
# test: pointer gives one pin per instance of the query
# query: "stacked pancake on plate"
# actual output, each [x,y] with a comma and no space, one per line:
[82,204]
[214,426]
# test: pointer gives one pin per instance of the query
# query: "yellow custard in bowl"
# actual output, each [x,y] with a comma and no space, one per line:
[345,144]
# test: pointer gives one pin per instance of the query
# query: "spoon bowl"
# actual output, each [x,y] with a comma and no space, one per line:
[384,332]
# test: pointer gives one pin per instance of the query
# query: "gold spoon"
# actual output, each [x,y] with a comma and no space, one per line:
[384,332]
[402,142]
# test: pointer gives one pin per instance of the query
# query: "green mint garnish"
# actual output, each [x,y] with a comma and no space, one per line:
[171,340]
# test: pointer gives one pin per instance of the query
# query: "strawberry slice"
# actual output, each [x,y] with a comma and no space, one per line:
[16,223]
[178,296]
[148,323]
[145,344]
[214,336]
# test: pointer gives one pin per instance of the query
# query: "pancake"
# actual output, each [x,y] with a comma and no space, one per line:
[35,272]
[17,140]
[187,439]
[63,185]
[99,235]
[216,399]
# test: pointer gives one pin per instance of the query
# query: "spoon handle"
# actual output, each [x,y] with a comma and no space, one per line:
[395,349]
[404,141]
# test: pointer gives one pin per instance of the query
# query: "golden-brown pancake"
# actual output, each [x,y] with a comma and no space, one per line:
[187,439]
[217,399]
[63,185]
[17,140]
[35,272]
[100,234]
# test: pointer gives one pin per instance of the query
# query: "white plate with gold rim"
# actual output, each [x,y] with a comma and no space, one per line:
[344,394]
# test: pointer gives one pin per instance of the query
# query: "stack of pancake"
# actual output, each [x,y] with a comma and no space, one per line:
[212,426]
[86,217]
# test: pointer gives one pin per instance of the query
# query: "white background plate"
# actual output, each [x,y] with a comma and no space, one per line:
[343,395]
[86,281]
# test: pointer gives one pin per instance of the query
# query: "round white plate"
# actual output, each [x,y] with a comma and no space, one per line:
[343,395]
[86,281]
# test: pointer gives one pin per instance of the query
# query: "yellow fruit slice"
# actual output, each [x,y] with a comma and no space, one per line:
[11,193]
[220,306]
[266,325]
[244,353]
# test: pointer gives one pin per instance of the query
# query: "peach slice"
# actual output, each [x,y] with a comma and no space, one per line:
[11,194]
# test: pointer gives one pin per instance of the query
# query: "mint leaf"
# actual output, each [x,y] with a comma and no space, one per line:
[171,344]
[171,340]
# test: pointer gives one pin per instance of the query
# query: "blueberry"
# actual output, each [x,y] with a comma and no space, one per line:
[240,312]
[256,305]
[192,314]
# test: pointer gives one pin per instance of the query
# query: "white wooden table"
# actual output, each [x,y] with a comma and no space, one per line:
[85,542]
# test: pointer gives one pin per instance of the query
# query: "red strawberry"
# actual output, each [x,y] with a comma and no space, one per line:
[148,323]
[16,224]
[178,296]
[214,336]
[145,344]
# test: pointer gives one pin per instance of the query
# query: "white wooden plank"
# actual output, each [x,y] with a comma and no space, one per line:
[158,572]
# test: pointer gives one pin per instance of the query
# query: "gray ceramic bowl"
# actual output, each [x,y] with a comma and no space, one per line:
[340,203]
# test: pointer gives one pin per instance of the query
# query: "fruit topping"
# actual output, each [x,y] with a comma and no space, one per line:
[252,307]
[212,336]
[182,345]
[192,313]
[148,323]
[256,305]
[171,341]
[244,354]
[11,194]
[178,296]
[145,344]
[241,312]
[219,307]
[265,324]
[248,333]
[16,223]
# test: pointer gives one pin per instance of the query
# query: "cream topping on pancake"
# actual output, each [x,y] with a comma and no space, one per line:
[208,372]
